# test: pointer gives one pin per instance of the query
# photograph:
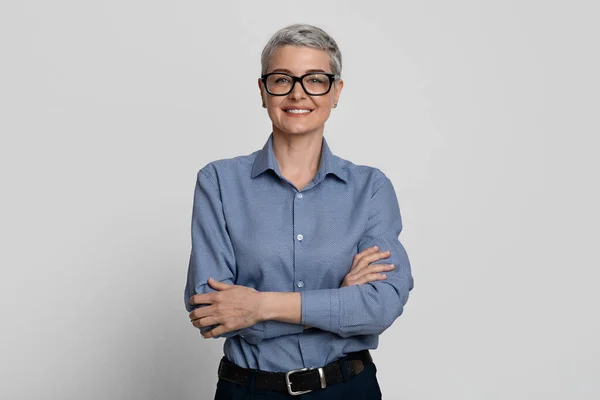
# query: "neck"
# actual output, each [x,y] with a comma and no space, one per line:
[298,155]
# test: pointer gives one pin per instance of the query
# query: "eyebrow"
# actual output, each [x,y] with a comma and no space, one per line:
[310,71]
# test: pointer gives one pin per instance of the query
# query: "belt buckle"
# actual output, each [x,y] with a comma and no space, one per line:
[299,392]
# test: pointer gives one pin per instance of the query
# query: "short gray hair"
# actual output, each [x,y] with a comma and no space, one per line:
[303,35]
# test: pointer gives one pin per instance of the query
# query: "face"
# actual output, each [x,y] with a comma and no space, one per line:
[298,61]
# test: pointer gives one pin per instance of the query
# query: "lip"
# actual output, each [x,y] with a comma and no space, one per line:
[296,108]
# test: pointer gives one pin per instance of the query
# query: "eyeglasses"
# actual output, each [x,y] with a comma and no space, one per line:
[314,84]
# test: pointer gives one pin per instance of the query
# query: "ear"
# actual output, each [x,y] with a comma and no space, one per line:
[338,86]
[262,93]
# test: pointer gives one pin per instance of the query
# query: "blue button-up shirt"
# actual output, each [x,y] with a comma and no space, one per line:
[253,227]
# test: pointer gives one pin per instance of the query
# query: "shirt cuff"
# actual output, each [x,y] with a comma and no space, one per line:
[321,309]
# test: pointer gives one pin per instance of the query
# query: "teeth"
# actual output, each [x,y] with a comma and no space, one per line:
[297,111]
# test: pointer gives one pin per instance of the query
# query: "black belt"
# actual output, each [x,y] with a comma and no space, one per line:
[297,381]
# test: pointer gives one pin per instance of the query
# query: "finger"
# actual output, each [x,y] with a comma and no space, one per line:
[373,269]
[206,321]
[372,278]
[380,267]
[369,250]
[218,285]
[368,259]
[377,256]
[366,252]
[202,312]
[219,330]
[204,298]
[359,256]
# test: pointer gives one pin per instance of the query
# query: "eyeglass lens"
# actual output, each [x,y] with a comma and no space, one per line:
[314,84]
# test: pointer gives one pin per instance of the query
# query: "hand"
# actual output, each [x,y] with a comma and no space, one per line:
[231,307]
[362,272]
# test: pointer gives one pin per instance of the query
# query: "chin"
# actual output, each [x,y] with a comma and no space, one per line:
[299,130]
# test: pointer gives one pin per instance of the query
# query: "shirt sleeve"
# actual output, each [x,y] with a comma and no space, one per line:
[372,307]
[212,256]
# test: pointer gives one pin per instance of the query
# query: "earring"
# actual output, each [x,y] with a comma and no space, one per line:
[334,105]
[264,105]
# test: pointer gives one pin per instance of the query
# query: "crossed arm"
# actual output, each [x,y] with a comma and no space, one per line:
[366,305]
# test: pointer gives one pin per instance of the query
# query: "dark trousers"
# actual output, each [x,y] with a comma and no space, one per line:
[363,386]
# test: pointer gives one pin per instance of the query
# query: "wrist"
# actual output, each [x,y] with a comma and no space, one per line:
[265,311]
[280,306]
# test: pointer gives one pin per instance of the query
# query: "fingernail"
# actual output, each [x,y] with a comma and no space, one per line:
[374,247]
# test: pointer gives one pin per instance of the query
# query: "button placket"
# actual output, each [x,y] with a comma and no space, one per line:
[302,227]
[299,236]
[299,217]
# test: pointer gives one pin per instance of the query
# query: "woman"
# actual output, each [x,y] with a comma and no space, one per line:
[284,261]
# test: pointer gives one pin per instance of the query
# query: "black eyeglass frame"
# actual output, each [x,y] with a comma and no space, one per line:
[332,78]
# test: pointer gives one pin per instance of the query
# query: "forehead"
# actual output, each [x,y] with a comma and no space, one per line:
[299,60]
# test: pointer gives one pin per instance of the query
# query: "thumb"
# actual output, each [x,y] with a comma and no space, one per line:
[218,285]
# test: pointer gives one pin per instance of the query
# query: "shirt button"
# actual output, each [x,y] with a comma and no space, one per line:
[300,284]
[300,237]
[299,195]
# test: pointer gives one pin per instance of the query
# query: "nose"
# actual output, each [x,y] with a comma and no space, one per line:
[297,92]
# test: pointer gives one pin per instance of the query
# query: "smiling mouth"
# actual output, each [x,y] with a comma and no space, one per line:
[297,111]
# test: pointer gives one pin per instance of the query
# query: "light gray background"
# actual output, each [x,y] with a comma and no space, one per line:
[483,113]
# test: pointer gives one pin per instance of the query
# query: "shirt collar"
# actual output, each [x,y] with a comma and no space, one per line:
[329,163]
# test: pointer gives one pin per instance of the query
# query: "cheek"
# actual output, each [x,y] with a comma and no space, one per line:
[273,112]
[325,102]
[273,107]
[324,107]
